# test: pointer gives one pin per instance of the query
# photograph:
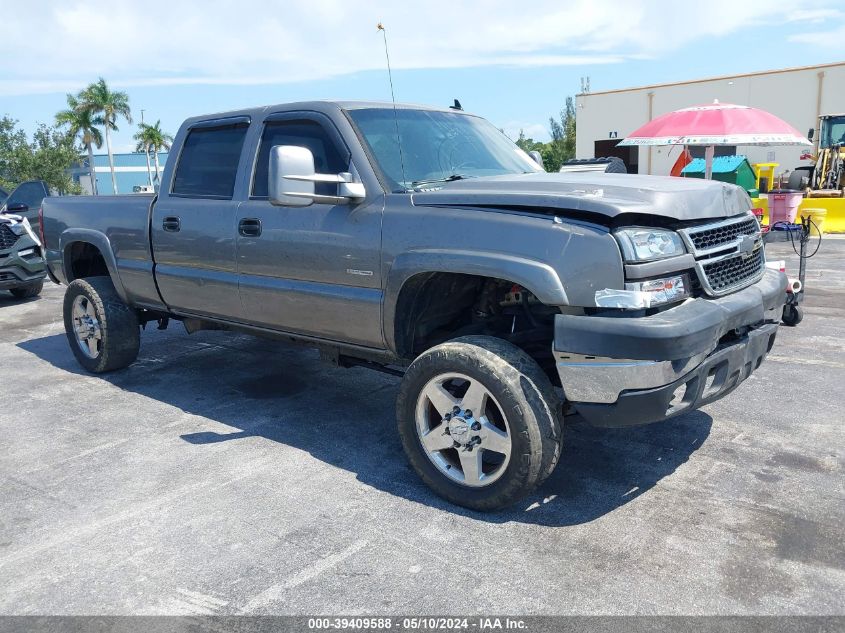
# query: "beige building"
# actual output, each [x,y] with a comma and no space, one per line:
[797,95]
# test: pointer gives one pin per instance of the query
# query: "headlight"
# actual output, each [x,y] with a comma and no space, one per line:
[17,228]
[642,245]
[645,294]
[666,290]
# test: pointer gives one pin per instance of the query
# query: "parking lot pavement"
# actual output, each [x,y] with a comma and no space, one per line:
[222,474]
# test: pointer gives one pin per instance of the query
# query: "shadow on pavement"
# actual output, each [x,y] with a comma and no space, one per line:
[345,418]
[8,299]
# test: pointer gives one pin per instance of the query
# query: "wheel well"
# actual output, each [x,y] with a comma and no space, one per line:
[435,307]
[85,260]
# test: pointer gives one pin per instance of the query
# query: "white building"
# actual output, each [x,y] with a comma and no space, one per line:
[797,95]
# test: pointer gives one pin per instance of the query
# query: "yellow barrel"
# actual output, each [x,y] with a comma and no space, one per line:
[817,216]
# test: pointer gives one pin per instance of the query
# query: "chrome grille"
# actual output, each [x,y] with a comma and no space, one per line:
[710,238]
[7,238]
[733,272]
[729,254]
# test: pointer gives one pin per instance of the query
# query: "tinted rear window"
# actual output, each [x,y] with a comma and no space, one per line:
[208,163]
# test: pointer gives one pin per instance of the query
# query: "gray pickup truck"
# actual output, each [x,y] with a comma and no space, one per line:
[422,242]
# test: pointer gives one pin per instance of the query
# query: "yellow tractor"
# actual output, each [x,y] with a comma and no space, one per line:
[826,178]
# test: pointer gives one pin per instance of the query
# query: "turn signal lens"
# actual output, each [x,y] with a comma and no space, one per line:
[659,291]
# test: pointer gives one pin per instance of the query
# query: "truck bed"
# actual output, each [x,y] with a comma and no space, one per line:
[124,220]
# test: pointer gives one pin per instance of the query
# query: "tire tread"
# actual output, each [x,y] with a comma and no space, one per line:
[533,395]
[28,291]
[118,323]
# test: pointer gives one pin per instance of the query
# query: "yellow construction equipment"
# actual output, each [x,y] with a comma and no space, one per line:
[826,177]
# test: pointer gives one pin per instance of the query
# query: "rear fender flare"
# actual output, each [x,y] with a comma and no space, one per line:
[98,240]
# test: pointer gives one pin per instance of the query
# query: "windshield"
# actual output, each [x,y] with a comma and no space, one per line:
[437,147]
[833,132]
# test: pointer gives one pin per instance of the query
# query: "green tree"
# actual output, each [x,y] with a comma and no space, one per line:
[106,105]
[48,156]
[80,124]
[528,144]
[562,146]
[159,141]
[143,138]
[151,138]
[13,144]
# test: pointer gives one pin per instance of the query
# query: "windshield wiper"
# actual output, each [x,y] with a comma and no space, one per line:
[432,181]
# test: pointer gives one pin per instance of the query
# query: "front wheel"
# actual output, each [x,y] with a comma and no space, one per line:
[103,332]
[479,421]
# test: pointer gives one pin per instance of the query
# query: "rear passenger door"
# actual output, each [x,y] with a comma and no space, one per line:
[193,223]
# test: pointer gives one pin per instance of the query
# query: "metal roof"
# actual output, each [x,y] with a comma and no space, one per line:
[706,79]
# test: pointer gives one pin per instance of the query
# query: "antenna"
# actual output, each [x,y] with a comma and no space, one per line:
[585,85]
[393,98]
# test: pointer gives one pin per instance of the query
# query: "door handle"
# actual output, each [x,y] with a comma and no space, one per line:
[171,224]
[249,227]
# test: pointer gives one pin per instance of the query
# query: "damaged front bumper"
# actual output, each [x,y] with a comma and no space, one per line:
[621,371]
[21,265]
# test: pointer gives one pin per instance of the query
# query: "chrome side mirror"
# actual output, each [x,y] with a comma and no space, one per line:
[538,157]
[292,178]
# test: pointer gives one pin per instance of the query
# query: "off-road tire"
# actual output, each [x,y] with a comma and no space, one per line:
[28,291]
[119,327]
[526,397]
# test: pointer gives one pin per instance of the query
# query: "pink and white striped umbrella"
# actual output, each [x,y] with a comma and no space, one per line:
[716,124]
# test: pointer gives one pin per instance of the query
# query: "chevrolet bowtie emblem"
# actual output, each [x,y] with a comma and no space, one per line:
[746,246]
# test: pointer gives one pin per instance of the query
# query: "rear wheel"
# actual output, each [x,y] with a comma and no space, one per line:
[28,291]
[103,332]
[479,421]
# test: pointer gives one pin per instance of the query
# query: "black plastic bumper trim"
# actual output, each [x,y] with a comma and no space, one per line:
[718,375]
[689,329]
[21,277]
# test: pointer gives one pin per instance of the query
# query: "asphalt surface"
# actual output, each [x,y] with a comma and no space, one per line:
[223,474]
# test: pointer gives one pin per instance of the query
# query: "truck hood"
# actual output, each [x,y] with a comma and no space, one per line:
[591,193]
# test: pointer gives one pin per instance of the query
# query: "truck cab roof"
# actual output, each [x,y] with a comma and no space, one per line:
[320,105]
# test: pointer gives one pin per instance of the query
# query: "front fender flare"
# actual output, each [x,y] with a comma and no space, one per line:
[537,277]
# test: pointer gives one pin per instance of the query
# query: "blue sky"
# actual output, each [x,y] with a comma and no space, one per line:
[513,64]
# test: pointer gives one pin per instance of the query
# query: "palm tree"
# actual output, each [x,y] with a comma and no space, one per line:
[159,140]
[81,123]
[143,138]
[106,106]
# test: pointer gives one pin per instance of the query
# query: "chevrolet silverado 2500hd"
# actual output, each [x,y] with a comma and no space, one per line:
[423,242]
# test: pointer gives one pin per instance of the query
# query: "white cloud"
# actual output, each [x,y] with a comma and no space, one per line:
[815,16]
[58,46]
[825,39]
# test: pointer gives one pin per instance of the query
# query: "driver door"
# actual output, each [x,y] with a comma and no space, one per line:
[312,270]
